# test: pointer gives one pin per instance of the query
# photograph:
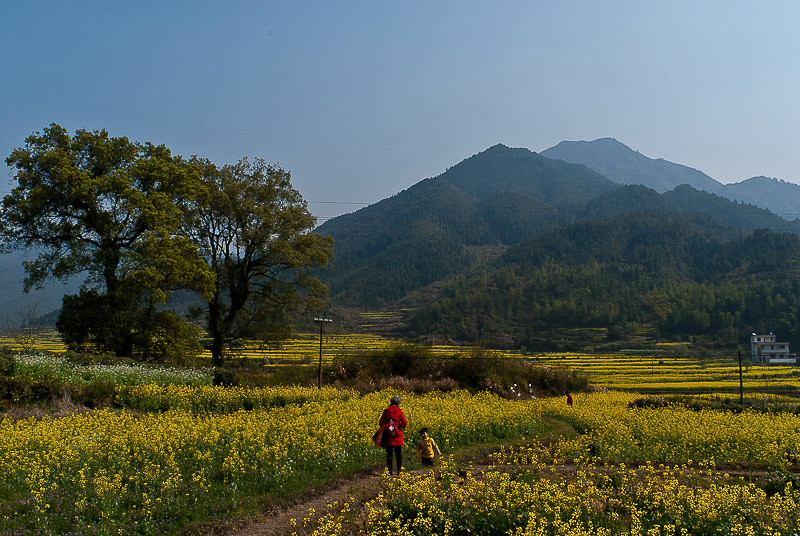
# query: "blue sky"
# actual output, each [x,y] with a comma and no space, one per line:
[360,100]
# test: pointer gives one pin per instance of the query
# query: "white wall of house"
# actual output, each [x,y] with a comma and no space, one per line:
[766,350]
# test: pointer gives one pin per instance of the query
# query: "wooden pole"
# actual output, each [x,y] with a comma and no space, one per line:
[319,371]
[741,384]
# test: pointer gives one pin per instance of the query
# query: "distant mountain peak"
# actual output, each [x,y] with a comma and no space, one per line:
[607,141]
[500,148]
[619,163]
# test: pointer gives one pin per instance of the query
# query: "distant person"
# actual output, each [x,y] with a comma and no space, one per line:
[426,446]
[393,422]
[569,399]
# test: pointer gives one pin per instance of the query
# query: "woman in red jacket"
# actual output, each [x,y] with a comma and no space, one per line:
[393,422]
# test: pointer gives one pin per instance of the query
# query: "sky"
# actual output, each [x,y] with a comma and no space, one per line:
[360,100]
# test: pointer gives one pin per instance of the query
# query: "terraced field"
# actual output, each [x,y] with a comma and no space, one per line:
[671,370]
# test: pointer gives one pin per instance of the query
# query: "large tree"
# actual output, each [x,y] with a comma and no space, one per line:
[254,230]
[108,208]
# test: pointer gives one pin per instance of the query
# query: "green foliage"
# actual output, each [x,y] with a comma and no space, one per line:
[88,322]
[21,391]
[226,377]
[8,364]
[253,231]
[109,208]
[672,272]
[167,338]
[99,393]
[475,370]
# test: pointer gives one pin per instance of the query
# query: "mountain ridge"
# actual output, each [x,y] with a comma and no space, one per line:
[497,197]
[619,163]
[465,206]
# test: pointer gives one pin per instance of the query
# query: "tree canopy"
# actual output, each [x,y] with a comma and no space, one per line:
[254,231]
[110,208]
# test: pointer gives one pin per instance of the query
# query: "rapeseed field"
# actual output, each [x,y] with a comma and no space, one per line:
[670,370]
[111,472]
[183,451]
[640,472]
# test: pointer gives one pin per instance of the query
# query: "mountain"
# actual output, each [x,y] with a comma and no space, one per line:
[443,225]
[14,301]
[622,164]
[780,197]
[619,163]
[501,168]
[508,245]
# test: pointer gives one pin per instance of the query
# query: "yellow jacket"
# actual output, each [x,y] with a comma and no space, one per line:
[425,447]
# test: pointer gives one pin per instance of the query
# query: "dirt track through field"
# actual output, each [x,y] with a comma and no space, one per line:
[366,486]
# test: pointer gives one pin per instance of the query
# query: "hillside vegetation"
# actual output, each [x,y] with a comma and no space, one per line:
[424,233]
[686,280]
[508,247]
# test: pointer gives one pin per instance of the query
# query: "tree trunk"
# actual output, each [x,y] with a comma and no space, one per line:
[215,330]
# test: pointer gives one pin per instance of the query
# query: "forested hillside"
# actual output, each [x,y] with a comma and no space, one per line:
[436,228]
[687,276]
[507,246]
[686,200]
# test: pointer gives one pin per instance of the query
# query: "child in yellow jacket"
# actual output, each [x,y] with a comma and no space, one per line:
[426,446]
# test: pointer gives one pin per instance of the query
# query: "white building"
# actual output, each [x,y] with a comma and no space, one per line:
[766,350]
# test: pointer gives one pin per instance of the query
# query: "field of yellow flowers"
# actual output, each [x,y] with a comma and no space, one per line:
[600,483]
[611,430]
[668,373]
[183,451]
[110,472]
[540,499]
[667,369]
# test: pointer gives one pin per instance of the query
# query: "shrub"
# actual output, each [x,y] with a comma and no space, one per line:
[8,364]
[417,369]
[225,377]
[293,375]
[20,391]
[99,393]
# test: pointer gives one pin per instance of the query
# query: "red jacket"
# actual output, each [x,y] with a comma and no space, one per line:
[396,414]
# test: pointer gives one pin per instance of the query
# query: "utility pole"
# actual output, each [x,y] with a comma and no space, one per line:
[741,386]
[322,322]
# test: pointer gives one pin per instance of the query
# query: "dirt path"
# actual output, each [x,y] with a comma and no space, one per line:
[278,522]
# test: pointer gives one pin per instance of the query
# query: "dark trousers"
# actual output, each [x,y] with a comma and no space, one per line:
[398,453]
